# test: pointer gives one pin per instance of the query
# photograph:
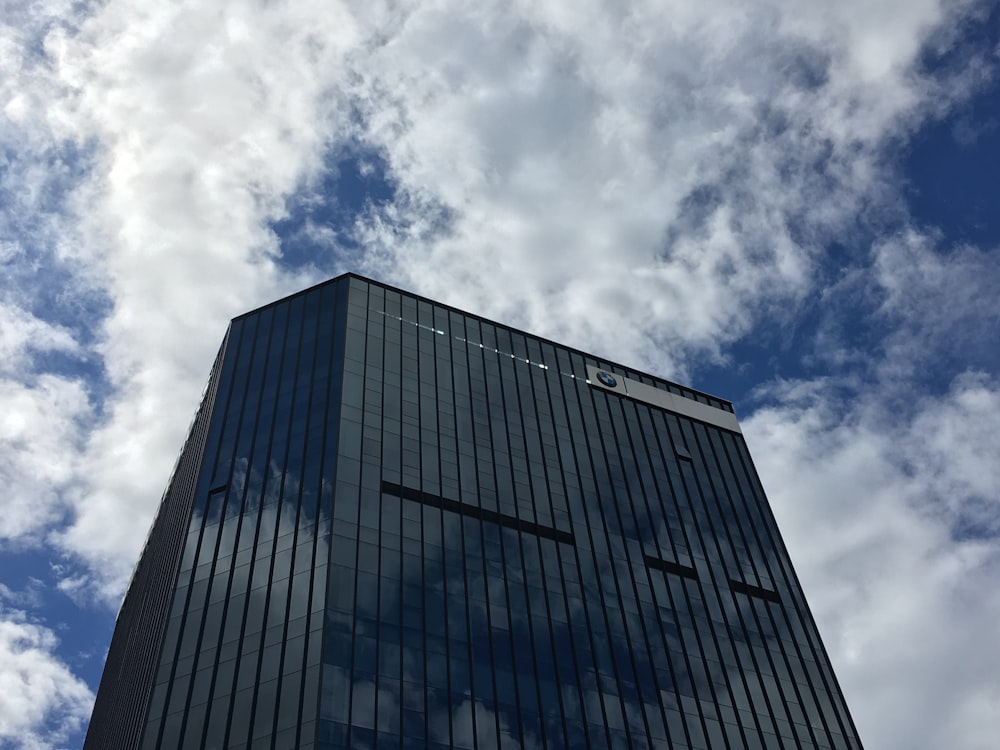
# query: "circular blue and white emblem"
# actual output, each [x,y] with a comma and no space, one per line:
[607,378]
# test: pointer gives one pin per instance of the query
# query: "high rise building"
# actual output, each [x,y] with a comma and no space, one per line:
[398,525]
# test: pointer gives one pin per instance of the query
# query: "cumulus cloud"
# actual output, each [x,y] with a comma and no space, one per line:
[943,299]
[666,173]
[41,701]
[673,189]
[653,182]
[199,136]
[22,335]
[892,526]
[41,435]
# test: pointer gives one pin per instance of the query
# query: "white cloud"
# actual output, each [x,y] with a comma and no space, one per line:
[28,598]
[876,515]
[41,435]
[649,181]
[199,136]
[22,334]
[943,299]
[668,173]
[41,701]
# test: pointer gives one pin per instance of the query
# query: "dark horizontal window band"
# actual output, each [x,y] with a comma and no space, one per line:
[671,567]
[220,488]
[746,588]
[501,519]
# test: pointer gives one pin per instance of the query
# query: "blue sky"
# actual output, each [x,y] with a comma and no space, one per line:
[788,204]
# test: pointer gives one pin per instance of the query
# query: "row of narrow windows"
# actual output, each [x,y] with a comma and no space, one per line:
[558,535]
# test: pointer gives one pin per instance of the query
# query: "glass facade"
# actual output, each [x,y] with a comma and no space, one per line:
[410,527]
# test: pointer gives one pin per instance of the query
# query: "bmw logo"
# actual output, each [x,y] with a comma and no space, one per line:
[607,378]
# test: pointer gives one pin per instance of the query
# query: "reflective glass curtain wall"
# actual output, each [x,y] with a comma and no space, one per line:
[414,528]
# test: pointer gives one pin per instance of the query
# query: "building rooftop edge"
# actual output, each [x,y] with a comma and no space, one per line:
[384,285]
